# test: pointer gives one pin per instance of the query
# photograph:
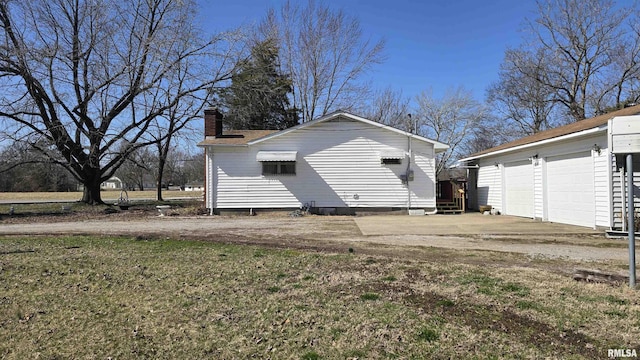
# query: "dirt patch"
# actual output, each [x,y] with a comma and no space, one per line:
[482,318]
[321,233]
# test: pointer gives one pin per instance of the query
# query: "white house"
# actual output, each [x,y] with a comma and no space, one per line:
[196,186]
[114,183]
[564,175]
[340,161]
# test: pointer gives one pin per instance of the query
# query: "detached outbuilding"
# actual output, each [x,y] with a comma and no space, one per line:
[565,175]
[340,162]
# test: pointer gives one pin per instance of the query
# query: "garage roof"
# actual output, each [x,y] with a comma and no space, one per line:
[582,125]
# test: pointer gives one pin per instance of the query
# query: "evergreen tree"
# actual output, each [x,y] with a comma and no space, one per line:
[258,97]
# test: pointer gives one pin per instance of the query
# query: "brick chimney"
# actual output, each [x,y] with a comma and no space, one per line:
[212,122]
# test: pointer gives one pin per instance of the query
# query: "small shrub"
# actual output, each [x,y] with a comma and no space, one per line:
[389,278]
[273,289]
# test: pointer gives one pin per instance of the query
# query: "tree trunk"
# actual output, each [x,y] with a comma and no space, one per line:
[91,194]
[161,163]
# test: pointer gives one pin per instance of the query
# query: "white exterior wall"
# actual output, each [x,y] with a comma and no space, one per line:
[602,187]
[619,195]
[338,165]
[209,178]
[538,190]
[491,178]
[489,185]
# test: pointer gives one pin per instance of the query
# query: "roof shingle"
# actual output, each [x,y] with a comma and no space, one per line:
[236,137]
[563,130]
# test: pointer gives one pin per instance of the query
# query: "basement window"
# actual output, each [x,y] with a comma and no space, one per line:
[278,168]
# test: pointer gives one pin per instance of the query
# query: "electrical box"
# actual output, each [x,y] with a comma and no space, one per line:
[625,134]
[410,175]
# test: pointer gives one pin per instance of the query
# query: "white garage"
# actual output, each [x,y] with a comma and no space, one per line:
[518,183]
[570,189]
[565,175]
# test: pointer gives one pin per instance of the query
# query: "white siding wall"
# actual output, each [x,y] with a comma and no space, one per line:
[338,165]
[489,187]
[490,182]
[617,194]
[538,193]
[209,179]
[602,186]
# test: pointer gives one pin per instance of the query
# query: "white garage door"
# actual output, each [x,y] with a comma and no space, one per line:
[518,179]
[570,189]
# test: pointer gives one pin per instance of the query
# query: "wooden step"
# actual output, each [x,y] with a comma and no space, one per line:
[448,208]
[450,211]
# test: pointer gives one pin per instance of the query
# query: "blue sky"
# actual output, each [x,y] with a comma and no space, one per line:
[429,44]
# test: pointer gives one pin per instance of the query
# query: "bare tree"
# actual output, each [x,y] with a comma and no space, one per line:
[326,55]
[174,120]
[451,119]
[518,98]
[620,83]
[138,169]
[577,39]
[489,133]
[390,108]
[88,76]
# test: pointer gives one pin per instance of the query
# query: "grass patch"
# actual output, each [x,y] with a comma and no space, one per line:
[445,303]
[389,278]
[527,305]
[120,297]
[491,286]
[427,334]
[311,355]
[73,196]
[369,296]
[616,313]
[615,300]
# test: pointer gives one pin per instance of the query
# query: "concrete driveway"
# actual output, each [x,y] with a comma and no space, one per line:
[465,224]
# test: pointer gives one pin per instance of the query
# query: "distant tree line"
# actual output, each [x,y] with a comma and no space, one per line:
[141,170]
[26,170]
